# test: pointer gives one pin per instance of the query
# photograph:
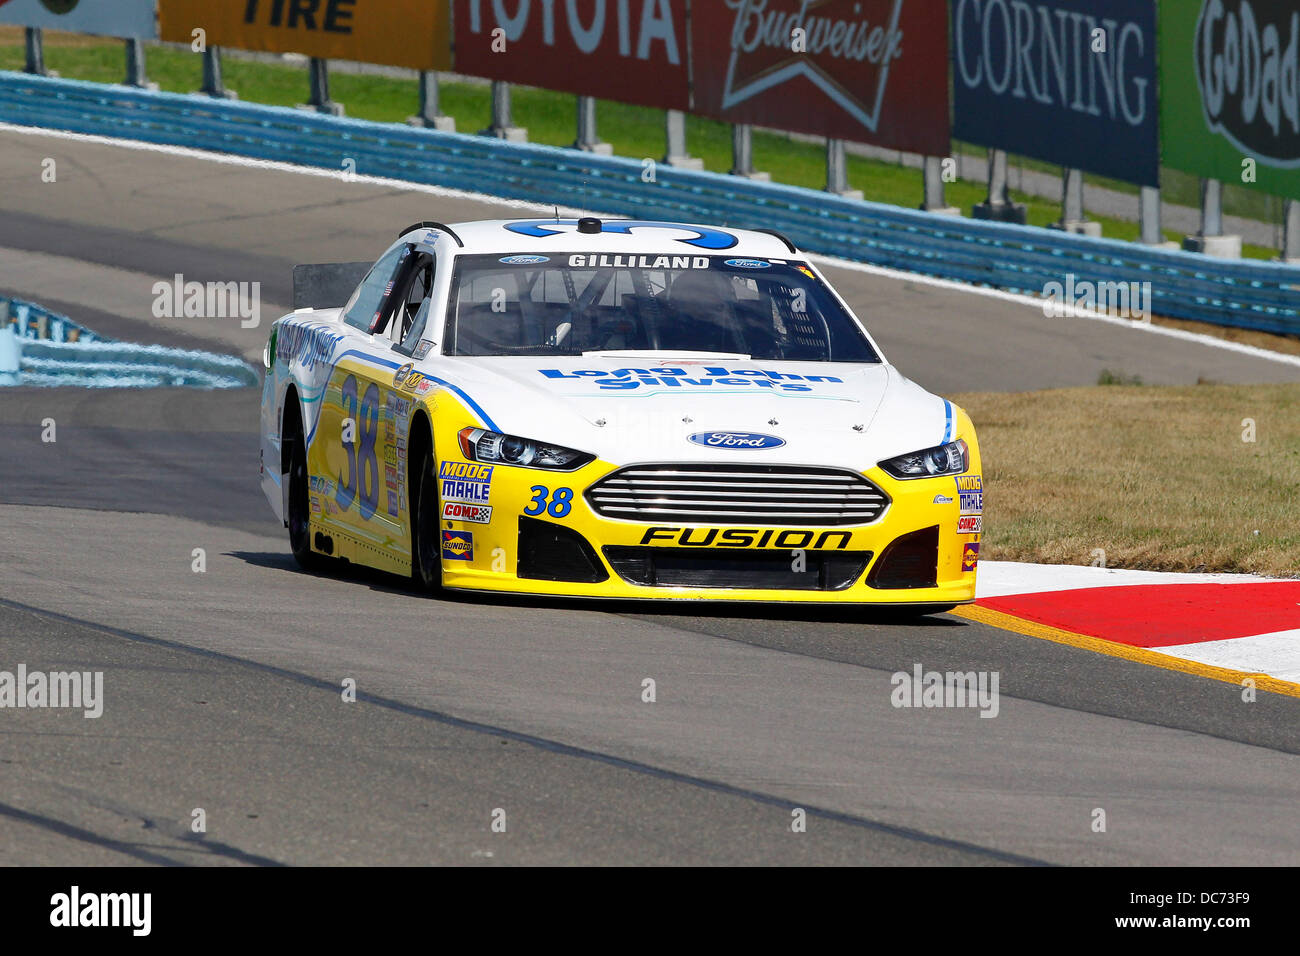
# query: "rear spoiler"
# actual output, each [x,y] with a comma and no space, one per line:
[327,285]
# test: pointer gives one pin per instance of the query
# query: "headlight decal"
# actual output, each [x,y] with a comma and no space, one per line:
[950,458]
[479,444]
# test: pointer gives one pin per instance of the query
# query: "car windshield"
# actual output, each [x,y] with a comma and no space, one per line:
[569,304]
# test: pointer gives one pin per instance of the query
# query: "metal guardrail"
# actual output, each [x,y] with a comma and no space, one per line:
[32,321]
[1248,294]
[40,347]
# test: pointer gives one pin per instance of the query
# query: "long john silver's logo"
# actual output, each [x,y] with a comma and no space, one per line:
[1247,57]
[762,56]
[741,440]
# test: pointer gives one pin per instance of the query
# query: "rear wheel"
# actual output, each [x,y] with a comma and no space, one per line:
[426,542]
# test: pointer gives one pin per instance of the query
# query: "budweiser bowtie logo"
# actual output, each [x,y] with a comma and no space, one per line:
[827,41]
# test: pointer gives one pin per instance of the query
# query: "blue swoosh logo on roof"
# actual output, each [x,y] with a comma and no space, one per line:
[701,238]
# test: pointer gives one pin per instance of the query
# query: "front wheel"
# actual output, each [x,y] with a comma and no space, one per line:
[426,537]
[300,501]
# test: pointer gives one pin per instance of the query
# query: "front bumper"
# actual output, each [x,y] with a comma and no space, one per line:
[528,531]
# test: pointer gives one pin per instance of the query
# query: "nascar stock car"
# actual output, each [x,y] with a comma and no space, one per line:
[612,409]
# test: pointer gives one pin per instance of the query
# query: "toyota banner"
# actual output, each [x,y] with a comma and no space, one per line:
[632,51]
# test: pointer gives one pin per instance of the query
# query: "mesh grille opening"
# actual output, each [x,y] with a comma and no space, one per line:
[727,494]
[910,561]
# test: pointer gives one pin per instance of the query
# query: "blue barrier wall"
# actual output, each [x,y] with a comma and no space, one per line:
[31,321]
[1245,293]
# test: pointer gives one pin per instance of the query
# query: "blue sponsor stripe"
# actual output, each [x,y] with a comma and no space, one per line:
[385,363]
[947,421]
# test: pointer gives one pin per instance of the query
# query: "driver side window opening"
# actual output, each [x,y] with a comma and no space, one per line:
[410,313]
[362,310]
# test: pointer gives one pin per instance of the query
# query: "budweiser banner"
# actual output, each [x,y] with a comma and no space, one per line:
[1230,91]
[1067,81]
[632,51]
[873,71]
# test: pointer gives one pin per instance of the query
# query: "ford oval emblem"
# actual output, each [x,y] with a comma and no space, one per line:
[738,440]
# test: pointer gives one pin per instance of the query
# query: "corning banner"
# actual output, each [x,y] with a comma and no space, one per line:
[1230,91]
[110,18]
[410,33]
[1066,81]
[872,71]
[632,51]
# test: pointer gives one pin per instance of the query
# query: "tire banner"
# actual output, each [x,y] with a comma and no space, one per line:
[631,51]
[412,33]
[1230,91]
[871,71]
[110,18]
[1071,82]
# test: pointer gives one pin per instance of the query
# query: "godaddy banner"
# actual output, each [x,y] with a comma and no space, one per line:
[1067,81]
[1230,91]
[112,18]
[874,71]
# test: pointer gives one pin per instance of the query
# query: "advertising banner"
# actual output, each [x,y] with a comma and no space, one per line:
[1230,91]
[1065,81]
[410,33]
[110,18]
[631,51]
[872,71]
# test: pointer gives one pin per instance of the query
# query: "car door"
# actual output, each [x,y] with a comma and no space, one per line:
[353,464]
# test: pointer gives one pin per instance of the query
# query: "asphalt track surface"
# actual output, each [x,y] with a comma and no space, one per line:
[223,688]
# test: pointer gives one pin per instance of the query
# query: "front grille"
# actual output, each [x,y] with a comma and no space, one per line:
[731,494]
[737,568]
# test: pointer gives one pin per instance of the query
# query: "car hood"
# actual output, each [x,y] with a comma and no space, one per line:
[639,409]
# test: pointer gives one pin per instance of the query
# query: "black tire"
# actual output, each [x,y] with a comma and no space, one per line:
[426,538]
[299,515]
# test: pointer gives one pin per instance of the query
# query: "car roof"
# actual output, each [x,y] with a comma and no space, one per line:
[617,235]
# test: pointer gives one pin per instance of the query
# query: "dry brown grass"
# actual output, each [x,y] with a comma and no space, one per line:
[1264,340]
[1157,477]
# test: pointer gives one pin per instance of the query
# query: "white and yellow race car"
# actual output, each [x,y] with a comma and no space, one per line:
[612,409]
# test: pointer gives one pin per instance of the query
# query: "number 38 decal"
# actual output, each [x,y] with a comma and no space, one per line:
[557,507]
[362,479]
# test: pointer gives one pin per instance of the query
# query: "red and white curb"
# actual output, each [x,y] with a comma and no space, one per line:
[1239,622]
